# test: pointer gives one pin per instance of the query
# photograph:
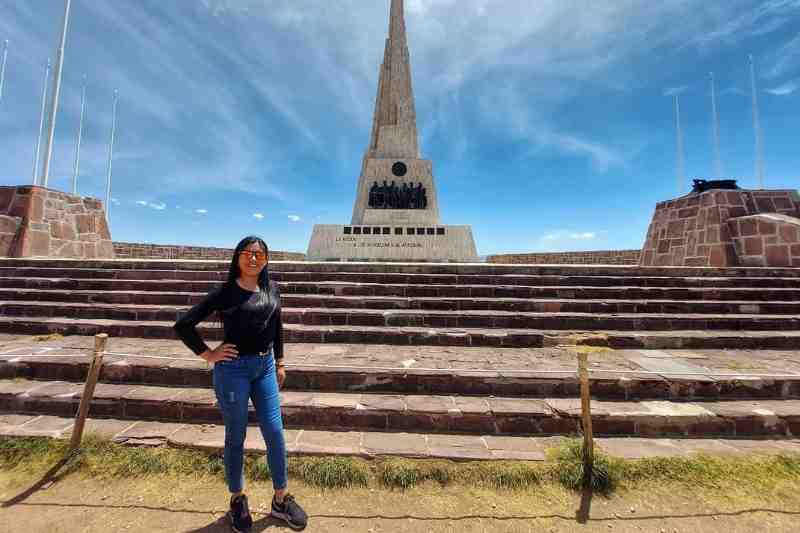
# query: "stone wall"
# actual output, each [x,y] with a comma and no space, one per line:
[128,250]
[694,230]
[766,240]
[605,257]
[39,222]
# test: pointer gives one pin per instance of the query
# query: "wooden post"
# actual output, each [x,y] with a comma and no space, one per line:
[88,390]
[586,412]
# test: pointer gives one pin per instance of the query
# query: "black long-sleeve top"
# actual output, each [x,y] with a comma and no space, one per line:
[251,320]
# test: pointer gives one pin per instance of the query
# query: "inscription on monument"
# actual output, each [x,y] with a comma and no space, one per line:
[353,242]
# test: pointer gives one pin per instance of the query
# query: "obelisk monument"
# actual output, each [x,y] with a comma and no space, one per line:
[396,212]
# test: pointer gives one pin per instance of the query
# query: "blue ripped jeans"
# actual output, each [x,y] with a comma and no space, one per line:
[236,382]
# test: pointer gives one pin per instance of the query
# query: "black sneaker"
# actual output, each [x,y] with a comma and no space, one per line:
[290,512]
[241,521]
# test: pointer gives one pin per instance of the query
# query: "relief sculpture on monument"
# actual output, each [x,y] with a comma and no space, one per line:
[407,196]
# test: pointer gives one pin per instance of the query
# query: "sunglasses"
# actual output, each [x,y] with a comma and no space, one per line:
[252,254]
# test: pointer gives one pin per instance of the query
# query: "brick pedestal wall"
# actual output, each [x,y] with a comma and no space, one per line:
[606,257]
[129,250]
[766,240]
[695,230]
[39,222]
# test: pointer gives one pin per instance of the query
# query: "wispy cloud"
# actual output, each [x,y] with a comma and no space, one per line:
[766,17]
[158,206]
[201,211]
[570,236]
[258,216]
[737,91]
[295,218]
[542,136]
[785,89]
[675,91]
[785,59]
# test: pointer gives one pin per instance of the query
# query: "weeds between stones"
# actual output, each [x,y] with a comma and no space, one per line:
[48,338]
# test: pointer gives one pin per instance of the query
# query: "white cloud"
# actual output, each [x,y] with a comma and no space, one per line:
[570,236]
[115,201]
[158,206]
[201,211]
[785,89]
[295,218]
[258,216]
[675,91]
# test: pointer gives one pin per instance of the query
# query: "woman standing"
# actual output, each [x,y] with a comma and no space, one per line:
[248,365]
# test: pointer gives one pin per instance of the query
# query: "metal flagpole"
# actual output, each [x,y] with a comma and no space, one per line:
[78,143]
[111,155]
[757,127]
[48,152]
[41,124]
[3,69]
[679,146]
[715,129]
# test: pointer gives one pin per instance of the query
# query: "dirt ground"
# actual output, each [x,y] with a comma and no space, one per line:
[185,504]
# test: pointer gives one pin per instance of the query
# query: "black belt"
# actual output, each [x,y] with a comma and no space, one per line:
[264,353]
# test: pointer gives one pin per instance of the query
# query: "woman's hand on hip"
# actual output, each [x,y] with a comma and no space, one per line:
[223,352]
[281,374]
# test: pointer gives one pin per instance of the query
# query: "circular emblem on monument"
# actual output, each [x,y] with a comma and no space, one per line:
[399,169]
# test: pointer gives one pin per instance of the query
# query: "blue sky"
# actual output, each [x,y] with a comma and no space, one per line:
[549,123]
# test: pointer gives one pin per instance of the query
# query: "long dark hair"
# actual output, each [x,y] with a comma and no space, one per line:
[235,271]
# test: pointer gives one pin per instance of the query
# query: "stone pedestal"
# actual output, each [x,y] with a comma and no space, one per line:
[39,222]
[719,228]
[443,244]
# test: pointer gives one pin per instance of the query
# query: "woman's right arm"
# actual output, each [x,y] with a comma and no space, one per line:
[186,330]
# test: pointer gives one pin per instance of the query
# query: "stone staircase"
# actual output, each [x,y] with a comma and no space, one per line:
[440,351]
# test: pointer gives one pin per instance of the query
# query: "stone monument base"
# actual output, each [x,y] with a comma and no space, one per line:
[39,222]
[439,244]
[726,228]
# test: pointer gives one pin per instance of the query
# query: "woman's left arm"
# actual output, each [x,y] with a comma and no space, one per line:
[277,343]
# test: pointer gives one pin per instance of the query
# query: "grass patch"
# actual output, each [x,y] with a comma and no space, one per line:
[404,474]
[710,472]
[399,474]
[573,474]
[102,459]
[330,472]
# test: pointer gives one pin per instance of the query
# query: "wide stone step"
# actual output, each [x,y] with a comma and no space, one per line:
[192,288]
[401,318]
[410,268]
[370,444]
[531,305]
[661,379]
[384,278]
[433,414]
[295,333]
